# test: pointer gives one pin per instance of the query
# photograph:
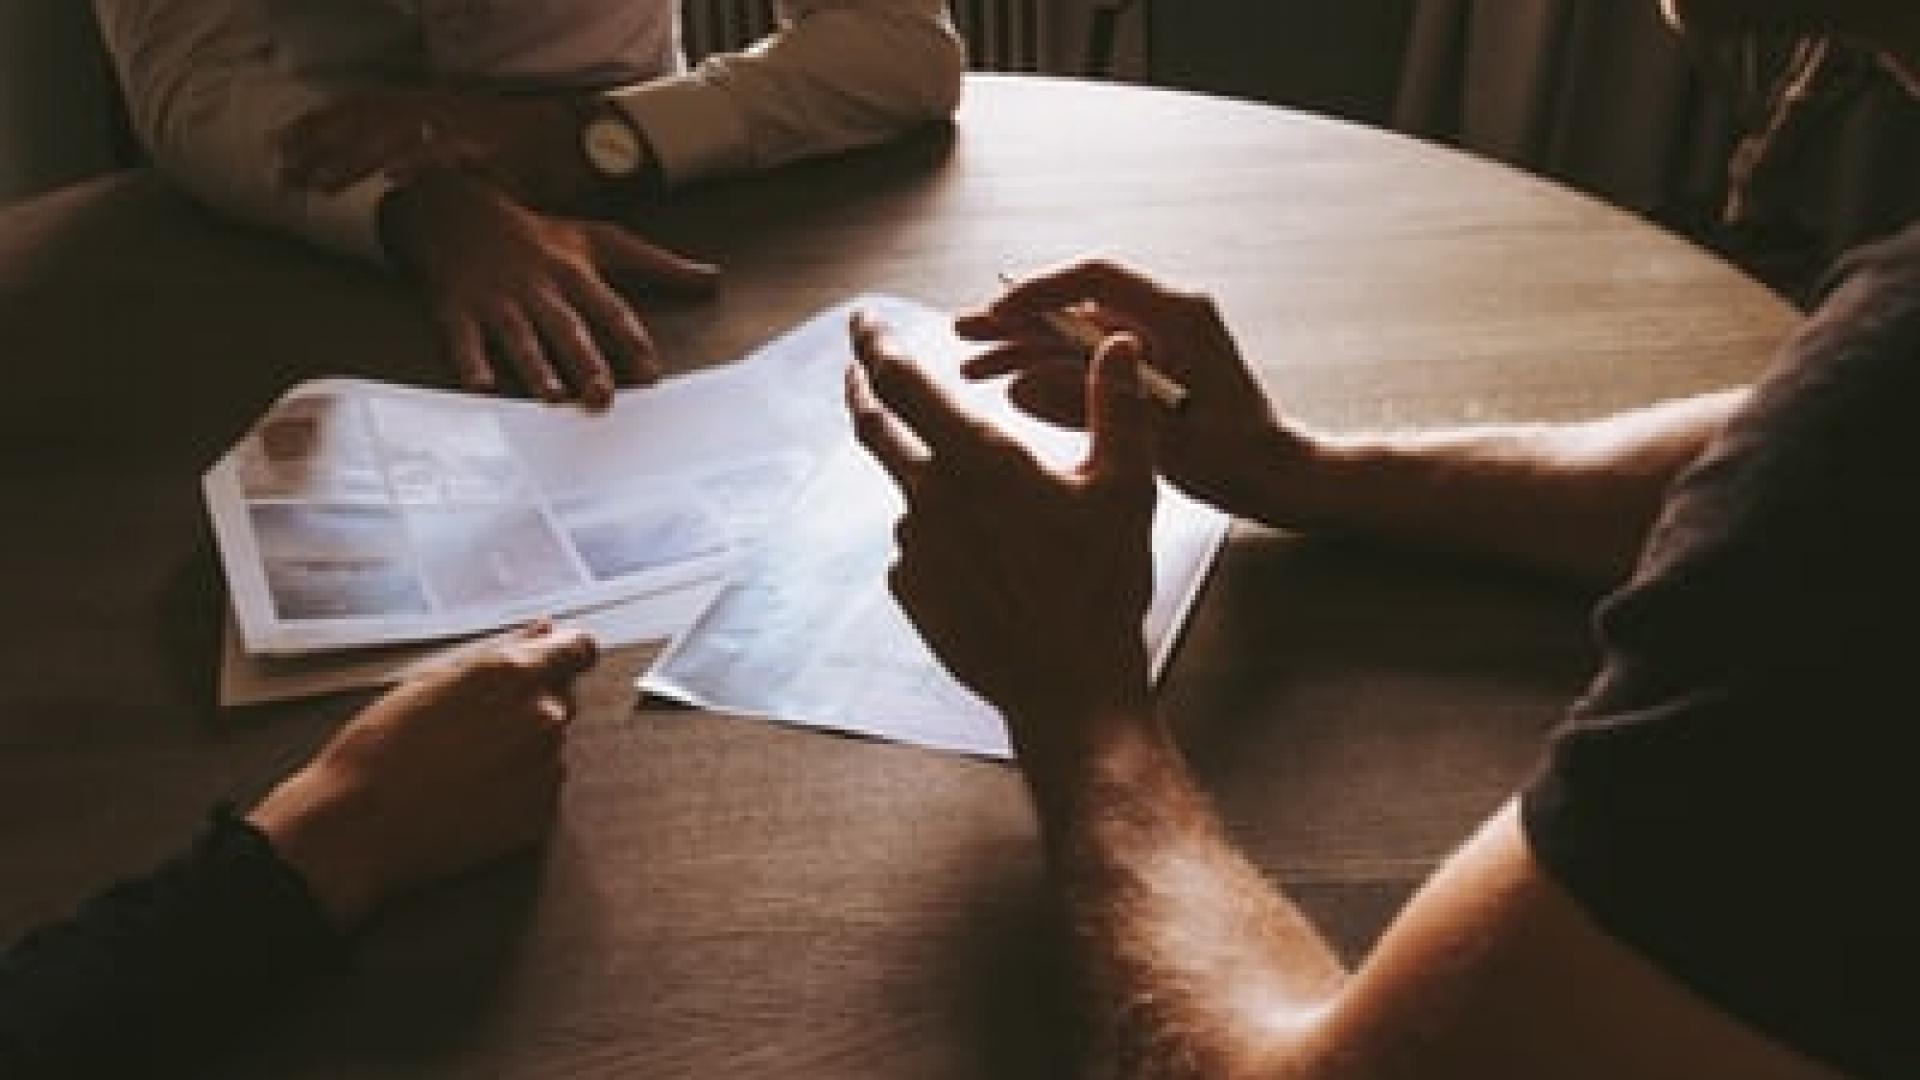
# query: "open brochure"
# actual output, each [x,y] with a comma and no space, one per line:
[806,632]
[360,513]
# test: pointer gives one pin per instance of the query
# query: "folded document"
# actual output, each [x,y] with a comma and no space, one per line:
[730,509]
[360,513]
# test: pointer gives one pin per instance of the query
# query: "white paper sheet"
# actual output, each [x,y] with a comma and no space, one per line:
[358,513]
[806,632]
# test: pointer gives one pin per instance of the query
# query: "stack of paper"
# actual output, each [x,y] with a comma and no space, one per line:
[363,525]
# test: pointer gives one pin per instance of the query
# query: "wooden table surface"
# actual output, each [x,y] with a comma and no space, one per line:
[725,897]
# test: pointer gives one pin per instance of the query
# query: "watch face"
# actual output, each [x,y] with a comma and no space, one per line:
[612,147]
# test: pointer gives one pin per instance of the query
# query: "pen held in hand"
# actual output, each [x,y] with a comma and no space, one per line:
[1083,332]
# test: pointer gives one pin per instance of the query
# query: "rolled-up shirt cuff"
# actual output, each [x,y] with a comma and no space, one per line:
[693,126]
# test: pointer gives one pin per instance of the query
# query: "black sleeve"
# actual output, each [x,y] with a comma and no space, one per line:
[1734,797]
[148,974]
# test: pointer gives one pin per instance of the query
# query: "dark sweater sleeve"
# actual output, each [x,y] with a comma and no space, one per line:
[144,978]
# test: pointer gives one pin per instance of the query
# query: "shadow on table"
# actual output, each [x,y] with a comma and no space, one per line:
[136,321]
[1393,702]
[418,988]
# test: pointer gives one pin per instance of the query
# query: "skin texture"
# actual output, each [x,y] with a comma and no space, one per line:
[480,219]
[1098,516]
[444,773]
[540,295]
[1570,499]
[1193,964]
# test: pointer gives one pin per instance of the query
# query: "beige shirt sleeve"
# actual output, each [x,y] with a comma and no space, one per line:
[836,75]
[207,96]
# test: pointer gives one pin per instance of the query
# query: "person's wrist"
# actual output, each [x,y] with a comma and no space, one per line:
[408,214]
[399,222]
[612,192]
[1112,746]
[310,823]
[1292,476]
[1070,720]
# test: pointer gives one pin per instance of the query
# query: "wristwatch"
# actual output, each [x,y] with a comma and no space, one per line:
[614,148]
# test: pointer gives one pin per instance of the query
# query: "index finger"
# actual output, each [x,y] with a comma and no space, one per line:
[559,654]
[1108,284]
[884,437]
[912,396]
[1119,417]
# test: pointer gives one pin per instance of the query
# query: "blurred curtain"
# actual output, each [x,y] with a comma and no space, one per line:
[1598,93]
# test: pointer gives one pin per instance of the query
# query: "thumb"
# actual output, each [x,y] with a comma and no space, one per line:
[1119,416]
[562,654]
[619,251]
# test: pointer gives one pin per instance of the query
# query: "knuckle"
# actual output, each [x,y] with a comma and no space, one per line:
[587,646]
[497,668]
[575,278]
[553,710]
[545,300]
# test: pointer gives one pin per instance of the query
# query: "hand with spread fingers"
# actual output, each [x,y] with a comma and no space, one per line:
[444,773]
[531,292]
[1029,583]
[1225,446]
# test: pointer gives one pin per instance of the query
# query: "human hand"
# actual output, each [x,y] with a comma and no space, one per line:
[527,145]
[532,286]
[1222,446]
[444,773]
[1028,583]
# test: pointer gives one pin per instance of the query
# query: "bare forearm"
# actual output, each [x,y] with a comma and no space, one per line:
[1571,499]
[1193,964]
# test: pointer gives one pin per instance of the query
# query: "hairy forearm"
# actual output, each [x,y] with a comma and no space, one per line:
[1569,499]
[1192,964]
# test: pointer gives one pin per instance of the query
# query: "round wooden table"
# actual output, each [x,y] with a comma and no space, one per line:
[725,897]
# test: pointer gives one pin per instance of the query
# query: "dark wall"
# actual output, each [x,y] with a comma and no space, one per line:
[1333,56]
[56,98]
